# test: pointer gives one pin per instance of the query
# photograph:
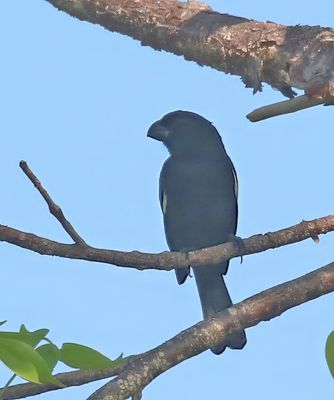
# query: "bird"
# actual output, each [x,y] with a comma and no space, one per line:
[198,191]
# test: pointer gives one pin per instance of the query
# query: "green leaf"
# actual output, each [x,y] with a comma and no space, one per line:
[83,357]
[2,322]
[330,352]
[24,361]
[50,354]
[9,335]
[20,358]
[32,338]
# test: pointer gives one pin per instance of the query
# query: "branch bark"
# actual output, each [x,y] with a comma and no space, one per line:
[143,368]
[283,107]
[169,260]
[69,379]
[282,56]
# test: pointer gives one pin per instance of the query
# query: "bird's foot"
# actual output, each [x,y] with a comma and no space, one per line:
[238,242]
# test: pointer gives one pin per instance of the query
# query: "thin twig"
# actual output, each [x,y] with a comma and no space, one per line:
[284,107]
[54,209]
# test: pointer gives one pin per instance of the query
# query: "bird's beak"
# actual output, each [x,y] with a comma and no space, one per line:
[158,132]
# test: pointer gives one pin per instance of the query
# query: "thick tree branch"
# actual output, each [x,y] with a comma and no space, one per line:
[282,56]
[142,369]
[262,307]
[169,260]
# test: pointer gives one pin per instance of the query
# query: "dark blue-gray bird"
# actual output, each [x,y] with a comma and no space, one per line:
[198,197]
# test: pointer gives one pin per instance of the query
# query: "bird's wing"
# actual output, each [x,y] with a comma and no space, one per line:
[181,273]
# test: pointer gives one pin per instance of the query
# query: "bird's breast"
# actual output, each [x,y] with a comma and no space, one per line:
[198,203]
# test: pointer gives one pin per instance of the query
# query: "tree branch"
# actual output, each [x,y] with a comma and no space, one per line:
[142,369]
[69,379]
[283,107]
[162,261]
[169,260]
[209,333]
[54,209]
[282,56]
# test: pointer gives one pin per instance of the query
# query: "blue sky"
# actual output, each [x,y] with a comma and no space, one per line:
[76,102]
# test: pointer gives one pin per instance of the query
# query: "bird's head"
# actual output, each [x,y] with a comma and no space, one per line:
[185,133]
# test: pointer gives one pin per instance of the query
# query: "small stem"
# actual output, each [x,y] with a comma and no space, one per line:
[54,209]
[284,107]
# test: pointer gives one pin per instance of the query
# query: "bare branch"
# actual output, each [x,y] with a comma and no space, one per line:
[73,378]
[284,107]
[282,56]
[147,366]
[54,209]
[170,260]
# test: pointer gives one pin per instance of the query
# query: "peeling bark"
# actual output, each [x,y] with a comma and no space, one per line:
[282,56]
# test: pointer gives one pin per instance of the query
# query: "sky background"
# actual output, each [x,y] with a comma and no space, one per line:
[75,103]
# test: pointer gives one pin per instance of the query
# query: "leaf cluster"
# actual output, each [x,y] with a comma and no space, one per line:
[33,357]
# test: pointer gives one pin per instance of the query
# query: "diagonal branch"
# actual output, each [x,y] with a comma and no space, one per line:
[69,379]
[206,334]
[282,56]
[170,260]
[54,209]
[147,366]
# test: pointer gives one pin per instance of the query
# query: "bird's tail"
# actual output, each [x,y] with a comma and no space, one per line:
[215,298]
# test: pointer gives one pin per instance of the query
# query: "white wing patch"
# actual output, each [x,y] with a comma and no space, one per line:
[235,183]
[164,202]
